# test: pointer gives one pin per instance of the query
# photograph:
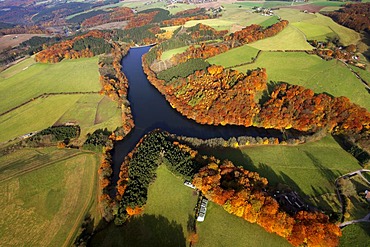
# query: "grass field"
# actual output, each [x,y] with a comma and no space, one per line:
[217,24]
[241,16]
[290,38]
[314,32]
[223,229]
[318,26]
[45,195]
[89,111]
[80,75]
[310,168]
[272,20]
[169,53]
[234,56]
[27,79]
[312,72]
[37,115]
[92,112]
[15,69]
[356,235]
[164,222]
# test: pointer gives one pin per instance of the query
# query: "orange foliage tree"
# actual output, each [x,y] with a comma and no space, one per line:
[242,193]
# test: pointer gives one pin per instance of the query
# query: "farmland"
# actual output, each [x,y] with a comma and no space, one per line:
[235,56]
[13,40]
[67,76]
[290,38]
[318,26]
[321,76]
[45,189]
[27,80]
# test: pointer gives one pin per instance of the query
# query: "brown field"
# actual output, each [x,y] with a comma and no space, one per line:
[14,40]
[111,25]
[309,7]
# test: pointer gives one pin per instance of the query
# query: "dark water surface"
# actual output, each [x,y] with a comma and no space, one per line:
[151,110]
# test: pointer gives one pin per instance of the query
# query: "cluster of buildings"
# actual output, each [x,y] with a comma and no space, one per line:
[201,208]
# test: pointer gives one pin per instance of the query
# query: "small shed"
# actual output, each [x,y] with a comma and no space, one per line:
[367,195]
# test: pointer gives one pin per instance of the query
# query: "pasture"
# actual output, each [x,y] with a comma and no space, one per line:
[27,80]
[170,53]
[218,24]
[45,194]
[312,72]
[235,56]
[223,229]
[310,169]
[290,38]
[90,111]
[17,68]
[320,27]
[165,218]
[80,75]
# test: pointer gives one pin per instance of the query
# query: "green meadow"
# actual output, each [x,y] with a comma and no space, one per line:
[27,80]
[235,56]
[312,72]
[319,27]
[43,196]
[80,75]
[290,38]
[223,229]
[91,112]
[170,53]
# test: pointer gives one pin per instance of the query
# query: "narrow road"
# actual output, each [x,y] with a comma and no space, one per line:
[348,175]
[346,223]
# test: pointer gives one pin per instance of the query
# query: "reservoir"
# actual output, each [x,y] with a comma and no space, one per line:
[151,111]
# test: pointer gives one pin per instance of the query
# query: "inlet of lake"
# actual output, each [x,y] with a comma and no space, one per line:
[151,111]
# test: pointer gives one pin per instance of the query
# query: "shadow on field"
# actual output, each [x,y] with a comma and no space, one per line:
[141,231]
[241,159]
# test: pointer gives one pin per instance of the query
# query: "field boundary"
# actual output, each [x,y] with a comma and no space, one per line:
[76,226]
[309,52]
[44,95]
[27,170]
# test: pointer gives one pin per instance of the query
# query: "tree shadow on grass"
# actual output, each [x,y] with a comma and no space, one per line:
[326,172]
[141,231]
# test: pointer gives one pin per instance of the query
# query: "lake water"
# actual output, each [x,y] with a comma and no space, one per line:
[151,111]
